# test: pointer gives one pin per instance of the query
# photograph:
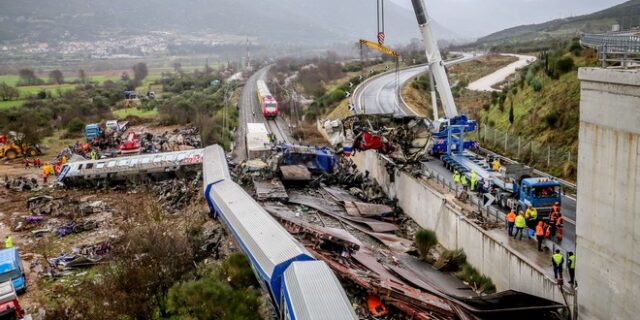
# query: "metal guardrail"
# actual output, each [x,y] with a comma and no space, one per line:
[621,48]
[613,42]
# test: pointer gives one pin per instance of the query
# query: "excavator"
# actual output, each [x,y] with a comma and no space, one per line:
[11,150]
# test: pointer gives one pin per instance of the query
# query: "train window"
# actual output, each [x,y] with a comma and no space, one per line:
[89,166]
[100,165]
[122,162]
[80,167]
[111,164]
[145,160]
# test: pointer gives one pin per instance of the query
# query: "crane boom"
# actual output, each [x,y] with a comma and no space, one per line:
[435,60]
[379,47]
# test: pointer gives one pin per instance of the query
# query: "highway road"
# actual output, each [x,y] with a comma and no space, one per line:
[379,94]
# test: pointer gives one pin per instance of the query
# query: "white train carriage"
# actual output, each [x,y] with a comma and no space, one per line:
[311,291]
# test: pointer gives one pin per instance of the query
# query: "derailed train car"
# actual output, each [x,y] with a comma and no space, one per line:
[298,285]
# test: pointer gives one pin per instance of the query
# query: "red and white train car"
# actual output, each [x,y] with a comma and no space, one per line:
[268,103]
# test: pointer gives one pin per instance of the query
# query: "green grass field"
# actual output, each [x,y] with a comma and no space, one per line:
[10,104]
[123,113]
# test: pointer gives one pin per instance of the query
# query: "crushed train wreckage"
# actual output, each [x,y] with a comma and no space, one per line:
[403,139]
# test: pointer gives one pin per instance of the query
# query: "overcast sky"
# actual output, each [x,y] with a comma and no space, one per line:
[475,18]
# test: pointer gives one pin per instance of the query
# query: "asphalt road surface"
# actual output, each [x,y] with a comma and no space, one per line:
[380,93]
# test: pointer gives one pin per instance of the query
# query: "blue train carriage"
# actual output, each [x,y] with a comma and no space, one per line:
[311,291]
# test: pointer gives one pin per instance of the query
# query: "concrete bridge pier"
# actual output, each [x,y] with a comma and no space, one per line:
[608,211]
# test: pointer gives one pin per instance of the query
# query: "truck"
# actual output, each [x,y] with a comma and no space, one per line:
[512,186]
[9,306]
[11,269]
[92,131]
[258,140]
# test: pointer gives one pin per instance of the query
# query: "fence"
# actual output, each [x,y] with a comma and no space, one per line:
[621,48]
[544,156]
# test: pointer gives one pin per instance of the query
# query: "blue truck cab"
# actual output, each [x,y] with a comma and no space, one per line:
[92,131]
[11,269]
[541,193]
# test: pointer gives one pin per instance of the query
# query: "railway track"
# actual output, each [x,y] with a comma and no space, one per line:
[281,135]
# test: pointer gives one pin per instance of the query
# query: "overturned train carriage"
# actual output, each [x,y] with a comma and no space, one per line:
[272,251]
[155,166]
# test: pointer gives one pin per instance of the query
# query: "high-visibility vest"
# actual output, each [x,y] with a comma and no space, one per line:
[558,259]
[556,208]
[572,262]
[520,222]
[511,217]
[456,177]
[559,221]
[474,177]
[539,230]
[9,242]
[532,213]
[463,180]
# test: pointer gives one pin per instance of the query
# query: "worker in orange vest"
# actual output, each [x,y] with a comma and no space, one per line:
[511,221]
[559,223]
[555,208]
[540,234]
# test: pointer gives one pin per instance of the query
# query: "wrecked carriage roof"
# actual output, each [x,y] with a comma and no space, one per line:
[215,168]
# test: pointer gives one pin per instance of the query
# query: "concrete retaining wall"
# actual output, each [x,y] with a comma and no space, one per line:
[432,210]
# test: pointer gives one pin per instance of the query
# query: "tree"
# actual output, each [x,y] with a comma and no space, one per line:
[565,65]
[8,92]
[28,77]
[56,76]
[177,67]
[425,240]
[511,112]
[140,72]
[82,76]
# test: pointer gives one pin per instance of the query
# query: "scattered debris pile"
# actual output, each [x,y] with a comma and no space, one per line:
[171,141]
[81,257]
[64,206]
[22,184]
[176,194]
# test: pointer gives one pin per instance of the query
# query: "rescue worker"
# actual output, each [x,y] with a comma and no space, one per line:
[464,182]
[555,208]
[94,155]
[571,266]
[474,180]
[540,234]
[531,213]
[557,260]
[456,178]
[521,223]
[8,242]
[511,220]
[495,165]
[559,224]
[64,160]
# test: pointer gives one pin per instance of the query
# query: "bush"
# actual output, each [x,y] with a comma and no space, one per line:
[75,126]
[565,65]
[536,84]
[451,260]
[551,118]
[425,241]
[227,291]
[479,282]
